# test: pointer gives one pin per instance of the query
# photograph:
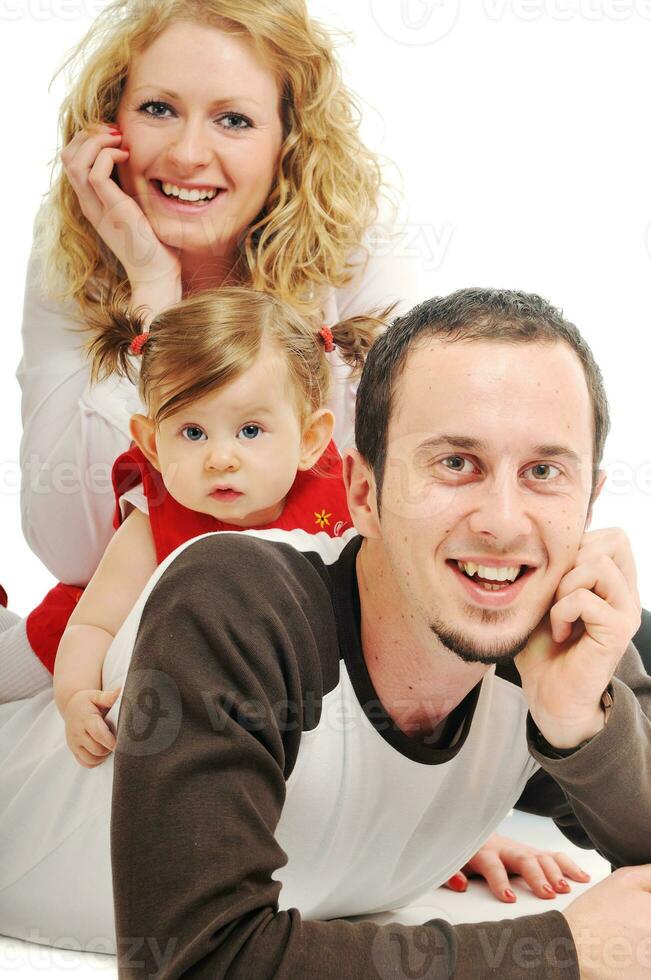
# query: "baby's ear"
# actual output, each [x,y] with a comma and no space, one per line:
[143,432]
[317,434]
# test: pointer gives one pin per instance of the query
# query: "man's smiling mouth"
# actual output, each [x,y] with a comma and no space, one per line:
[491,584]
[487,574]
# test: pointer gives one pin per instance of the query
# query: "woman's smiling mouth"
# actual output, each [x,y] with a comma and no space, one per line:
[198,198]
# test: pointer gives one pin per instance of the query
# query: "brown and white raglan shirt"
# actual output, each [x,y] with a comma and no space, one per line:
[261,792]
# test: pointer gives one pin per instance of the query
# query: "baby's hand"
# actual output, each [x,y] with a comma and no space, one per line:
[88,736]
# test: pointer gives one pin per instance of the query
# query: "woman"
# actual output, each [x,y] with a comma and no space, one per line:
[261,114]
[243,102]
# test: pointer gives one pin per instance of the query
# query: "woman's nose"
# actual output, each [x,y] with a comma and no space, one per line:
[189,147]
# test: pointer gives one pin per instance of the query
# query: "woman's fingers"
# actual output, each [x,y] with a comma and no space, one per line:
[490,866]
[99,176]
[457,883]
[546,873]
[570,868]
[78,162]
[89,161]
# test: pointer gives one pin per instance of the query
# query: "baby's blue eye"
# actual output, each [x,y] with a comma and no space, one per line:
[250,431]
[193,433]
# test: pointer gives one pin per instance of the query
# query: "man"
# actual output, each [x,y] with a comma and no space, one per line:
[354,722]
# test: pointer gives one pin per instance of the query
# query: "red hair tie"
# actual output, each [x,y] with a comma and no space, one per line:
[328,341]
[137,344]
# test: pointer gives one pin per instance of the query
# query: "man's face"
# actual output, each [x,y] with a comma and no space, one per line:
[488,462]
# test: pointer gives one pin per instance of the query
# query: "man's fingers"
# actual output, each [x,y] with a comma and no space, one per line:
[639,876]
[580,604]
[611,541]
[602,576]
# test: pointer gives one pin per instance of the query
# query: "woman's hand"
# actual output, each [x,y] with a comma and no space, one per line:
[545,872]
[88,160]
[88,736]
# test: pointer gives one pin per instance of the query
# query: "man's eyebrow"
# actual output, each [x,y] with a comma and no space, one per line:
[466,442]
[175,95]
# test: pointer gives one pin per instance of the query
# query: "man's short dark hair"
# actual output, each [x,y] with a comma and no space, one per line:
[501,315]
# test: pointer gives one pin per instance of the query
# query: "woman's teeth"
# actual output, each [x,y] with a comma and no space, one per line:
[183,194]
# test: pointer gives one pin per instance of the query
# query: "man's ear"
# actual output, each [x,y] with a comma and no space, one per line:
[601,479]
[360,490]
[317,433]
[143,432]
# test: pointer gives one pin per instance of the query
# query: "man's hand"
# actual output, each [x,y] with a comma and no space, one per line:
[88,736]
[611,926]
[545,872]
[573,653]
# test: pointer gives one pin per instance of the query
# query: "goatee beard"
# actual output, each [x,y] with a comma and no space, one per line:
[468,651]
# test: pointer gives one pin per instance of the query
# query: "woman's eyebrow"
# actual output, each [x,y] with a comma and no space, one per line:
[175,95]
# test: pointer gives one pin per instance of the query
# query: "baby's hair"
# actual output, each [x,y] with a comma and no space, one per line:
[208,340]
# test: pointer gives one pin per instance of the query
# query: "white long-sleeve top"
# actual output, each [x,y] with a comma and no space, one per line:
[73,431]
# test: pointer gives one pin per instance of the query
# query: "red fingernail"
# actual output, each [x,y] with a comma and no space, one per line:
[562,883]
[509,895]
[548,888]
[457,883]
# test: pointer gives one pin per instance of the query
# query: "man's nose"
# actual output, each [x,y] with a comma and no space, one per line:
[501,509]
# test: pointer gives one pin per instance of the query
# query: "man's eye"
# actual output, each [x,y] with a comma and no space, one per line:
[457,463]
[543,472]
[193,433]
[250,431]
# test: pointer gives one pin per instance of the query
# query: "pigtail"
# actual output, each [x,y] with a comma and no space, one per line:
[354,337]
[115,327]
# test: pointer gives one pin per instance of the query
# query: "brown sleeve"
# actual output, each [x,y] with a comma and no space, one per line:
[605,787]
[200,766]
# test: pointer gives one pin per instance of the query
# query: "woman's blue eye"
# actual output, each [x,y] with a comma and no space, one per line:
[240,118]
[250,431]
[145,105]
[193,433]
[243,122]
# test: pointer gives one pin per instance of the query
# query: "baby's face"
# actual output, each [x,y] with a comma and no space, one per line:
[234,454]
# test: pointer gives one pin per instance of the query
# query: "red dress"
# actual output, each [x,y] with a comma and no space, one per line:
[316,502]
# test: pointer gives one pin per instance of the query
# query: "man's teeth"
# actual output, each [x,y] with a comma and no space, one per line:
[489,572]
[171,190]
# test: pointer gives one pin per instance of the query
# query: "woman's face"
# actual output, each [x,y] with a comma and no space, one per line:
[200,110]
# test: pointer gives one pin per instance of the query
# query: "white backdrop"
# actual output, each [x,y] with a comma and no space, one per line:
[521,131]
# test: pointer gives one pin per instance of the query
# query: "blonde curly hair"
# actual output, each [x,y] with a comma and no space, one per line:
[328,185]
